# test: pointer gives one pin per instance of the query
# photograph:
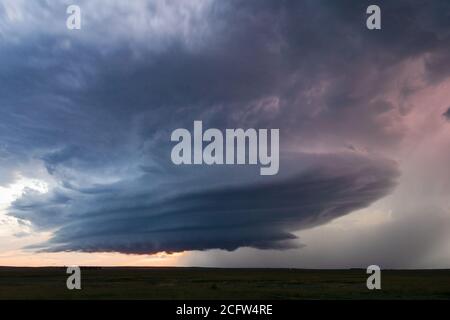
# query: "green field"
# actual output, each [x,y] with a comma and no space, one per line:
[205,283]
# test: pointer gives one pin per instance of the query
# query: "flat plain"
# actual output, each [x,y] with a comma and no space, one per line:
[214,283]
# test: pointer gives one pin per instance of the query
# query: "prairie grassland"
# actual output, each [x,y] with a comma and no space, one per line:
[211,283]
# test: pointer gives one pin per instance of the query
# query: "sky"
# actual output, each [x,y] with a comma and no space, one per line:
[86,117]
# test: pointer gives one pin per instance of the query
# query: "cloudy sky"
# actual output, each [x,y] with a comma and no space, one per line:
[86,117]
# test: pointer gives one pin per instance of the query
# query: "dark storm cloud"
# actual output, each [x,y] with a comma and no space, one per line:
[96,108]
[261,215]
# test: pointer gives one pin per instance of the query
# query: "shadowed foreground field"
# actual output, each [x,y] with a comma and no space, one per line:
[205,283]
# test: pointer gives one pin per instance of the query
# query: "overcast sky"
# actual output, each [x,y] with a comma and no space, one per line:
[86,117]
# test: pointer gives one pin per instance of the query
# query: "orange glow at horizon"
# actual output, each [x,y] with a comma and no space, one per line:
[45,259]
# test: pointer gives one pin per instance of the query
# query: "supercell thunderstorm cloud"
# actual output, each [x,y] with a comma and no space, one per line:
[362,117]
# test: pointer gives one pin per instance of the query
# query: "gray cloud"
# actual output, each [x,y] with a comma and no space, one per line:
[96,109]
[261,215]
